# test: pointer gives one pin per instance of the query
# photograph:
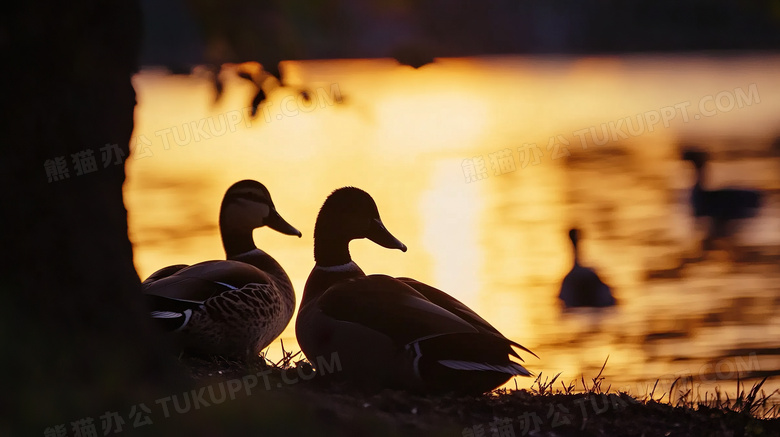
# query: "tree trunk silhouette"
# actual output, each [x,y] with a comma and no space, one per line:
[76,336]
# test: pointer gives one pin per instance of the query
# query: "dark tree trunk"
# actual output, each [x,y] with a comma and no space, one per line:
[76,338]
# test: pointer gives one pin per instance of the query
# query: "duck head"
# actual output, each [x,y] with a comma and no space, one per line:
[348,213]
[574,235]
[247,205]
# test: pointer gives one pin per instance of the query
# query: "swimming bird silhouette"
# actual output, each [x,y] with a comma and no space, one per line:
[582,287]
[722,206]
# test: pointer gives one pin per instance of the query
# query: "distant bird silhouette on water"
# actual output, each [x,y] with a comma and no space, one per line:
[582,287]
[722,206]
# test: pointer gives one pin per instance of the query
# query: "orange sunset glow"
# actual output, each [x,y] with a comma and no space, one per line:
[498,243]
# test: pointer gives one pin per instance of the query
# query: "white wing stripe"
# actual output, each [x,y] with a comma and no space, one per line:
[512,369]
[187,315]
[165,314]
[416,363]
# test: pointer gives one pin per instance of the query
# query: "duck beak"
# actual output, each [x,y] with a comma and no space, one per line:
[277,223]
[381,236]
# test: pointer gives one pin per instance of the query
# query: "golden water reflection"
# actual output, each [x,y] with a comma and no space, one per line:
[499,243]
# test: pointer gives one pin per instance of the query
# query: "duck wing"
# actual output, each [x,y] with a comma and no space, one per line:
[391,307]
[164,273]
[200,282]
[451,304]
[441,351]
[458,308]
[172,298]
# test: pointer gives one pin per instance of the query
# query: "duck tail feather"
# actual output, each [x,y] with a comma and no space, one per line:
[521,347]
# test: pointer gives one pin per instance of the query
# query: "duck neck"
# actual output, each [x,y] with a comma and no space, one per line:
[329,251]
[576,252]
[700,176]
[237,241]
[333,264]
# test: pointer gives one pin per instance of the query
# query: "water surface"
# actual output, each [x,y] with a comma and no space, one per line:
[496,237]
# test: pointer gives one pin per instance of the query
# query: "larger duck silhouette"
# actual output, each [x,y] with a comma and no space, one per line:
[722,206]
[233,307]
[386,331]
[582,287]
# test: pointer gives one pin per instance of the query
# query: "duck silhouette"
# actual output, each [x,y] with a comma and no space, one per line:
[582,287]
[392,332]
[723,207]
[233,307]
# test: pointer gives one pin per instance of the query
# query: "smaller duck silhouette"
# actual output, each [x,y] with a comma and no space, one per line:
[722,206]
[234,307]
[582,287]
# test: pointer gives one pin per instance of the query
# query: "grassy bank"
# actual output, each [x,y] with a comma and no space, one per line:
[287,398]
